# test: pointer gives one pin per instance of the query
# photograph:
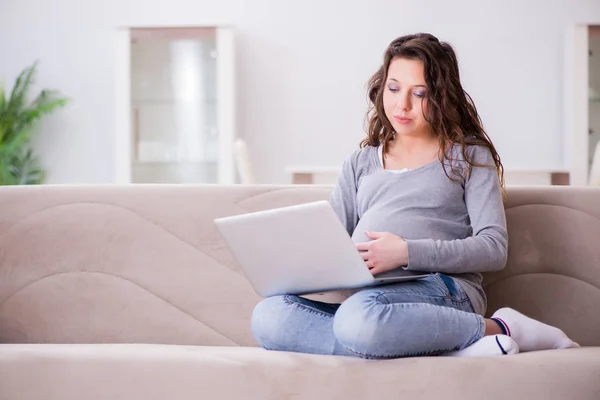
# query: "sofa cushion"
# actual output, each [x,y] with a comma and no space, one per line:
[148,372]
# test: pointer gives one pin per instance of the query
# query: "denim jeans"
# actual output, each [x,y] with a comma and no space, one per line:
[429,316]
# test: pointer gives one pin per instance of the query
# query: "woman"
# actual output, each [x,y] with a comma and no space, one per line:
[423,192]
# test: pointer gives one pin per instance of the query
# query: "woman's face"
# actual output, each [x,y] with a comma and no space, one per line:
[405,97]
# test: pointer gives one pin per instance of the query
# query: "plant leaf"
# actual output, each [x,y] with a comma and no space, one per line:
[18,140]
[18,96]
[2,98]
[26,169]
[6,175]
[46,102]
[18,165]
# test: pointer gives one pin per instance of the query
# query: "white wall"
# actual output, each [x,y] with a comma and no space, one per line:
[302,71]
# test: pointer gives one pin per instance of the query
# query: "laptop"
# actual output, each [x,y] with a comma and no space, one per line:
[300,249]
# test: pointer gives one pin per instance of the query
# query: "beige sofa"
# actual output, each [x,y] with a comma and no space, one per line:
[128,292]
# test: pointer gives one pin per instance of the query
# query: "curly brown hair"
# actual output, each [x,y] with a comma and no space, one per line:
[450,112]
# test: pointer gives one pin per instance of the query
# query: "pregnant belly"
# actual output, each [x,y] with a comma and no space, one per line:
[410,227]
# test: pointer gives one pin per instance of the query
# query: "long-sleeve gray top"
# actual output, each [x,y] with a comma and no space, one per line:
[456,228]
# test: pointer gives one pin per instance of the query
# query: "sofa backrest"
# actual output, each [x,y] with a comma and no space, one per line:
[553,268]
[145,264]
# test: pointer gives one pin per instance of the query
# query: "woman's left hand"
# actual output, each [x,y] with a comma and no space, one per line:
[385,252]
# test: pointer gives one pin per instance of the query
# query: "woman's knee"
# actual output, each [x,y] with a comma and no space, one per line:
[358,322]
[269,322]
[368,324]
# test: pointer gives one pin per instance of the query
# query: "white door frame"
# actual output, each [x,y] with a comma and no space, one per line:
[122,149]
[226,111]
[226,107]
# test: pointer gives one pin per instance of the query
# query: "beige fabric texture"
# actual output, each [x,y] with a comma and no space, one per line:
[129,292]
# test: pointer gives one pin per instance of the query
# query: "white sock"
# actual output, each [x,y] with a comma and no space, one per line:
[530,334]
[493,345]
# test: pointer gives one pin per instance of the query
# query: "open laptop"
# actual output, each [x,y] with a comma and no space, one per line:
[300,249]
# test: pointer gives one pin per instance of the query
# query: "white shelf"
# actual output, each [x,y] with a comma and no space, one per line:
[174,162]
[178,121]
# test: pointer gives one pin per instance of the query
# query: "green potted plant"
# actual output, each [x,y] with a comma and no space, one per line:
[18,115]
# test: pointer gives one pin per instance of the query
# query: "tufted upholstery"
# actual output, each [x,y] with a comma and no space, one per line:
[144,264]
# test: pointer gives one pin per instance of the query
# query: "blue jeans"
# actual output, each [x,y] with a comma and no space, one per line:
[430,316]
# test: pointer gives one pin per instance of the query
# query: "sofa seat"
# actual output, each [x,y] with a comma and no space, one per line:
[144,371]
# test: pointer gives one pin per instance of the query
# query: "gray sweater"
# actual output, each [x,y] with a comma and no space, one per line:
[454,228]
